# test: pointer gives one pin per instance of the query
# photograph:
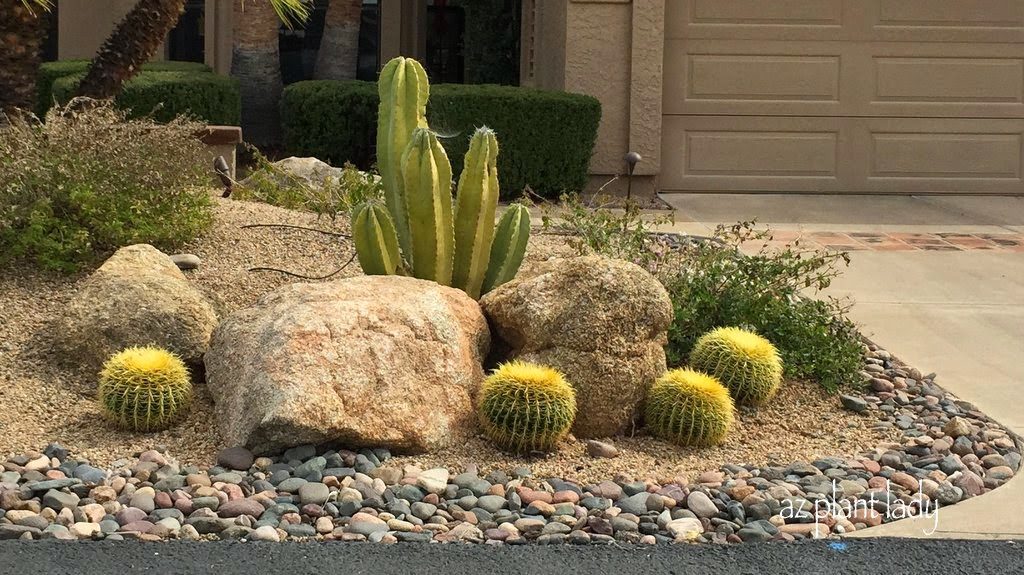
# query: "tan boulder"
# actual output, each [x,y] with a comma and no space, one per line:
[602,322]
[381,361]
[137,297]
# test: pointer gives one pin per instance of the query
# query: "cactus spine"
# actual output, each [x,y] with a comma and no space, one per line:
[509,246]
[475,205]
[746,363]
[460,249]
[688,407]
[428,195]
[404,91]
[144,388]
[373,233]
[526,407]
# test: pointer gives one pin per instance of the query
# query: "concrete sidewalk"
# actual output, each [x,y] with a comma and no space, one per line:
[957,313]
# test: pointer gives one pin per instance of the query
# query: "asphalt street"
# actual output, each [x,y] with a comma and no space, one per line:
[874,556]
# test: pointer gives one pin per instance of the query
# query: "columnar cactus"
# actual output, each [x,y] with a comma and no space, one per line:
[427,180]
[461,249]
[525,407]
[689,408]
[475,205]
[404,90]
[144,388]
[746,363]
[373,233]
[509,246]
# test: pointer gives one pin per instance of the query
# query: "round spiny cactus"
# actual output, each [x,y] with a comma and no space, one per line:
[526,407]
[746,363]
[144,388]
[689,408]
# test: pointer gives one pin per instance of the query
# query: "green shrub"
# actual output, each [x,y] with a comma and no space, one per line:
[716,285]
[713,284]
[690,408]
[83,184]
[333,121]
[546,137]
[207,97]
[50,72]
[144,388]
[746,363]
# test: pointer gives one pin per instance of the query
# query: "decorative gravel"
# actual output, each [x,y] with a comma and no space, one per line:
[907,448]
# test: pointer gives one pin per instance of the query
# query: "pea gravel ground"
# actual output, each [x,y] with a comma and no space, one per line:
[39,404]
[861,557]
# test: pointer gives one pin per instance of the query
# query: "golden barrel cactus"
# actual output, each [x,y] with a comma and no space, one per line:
[526,407]
[144,388]
[689,408]
[746,363]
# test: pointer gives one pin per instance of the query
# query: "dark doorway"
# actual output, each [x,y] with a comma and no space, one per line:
[446,30]
[187,41]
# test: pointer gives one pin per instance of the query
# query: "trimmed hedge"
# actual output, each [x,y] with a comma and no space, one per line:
[50,72]
[205,96]
[546,137]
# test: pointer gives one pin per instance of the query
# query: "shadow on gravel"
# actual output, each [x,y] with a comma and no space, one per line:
[875,556]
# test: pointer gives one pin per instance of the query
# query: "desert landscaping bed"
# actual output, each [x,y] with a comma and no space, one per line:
[905,448]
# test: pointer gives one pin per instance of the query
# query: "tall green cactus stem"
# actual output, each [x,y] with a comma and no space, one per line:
[404,91]
[509,246]
[427,181]
[376,241]
[475,205]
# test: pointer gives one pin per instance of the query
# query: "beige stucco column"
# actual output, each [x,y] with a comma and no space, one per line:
[612,50]
[402,32]
[217,29]
[83,25]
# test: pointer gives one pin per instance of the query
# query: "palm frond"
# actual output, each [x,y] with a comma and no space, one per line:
[292,12]
[43,4]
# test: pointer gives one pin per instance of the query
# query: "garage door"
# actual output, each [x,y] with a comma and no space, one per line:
[877,96]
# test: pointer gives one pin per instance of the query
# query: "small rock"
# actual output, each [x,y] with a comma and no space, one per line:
[433,480]
[701,505]
[237,458]
[316,493]
[957,427]
[83,530]
[186,262]
[601,449]
[854,404]
[265,533]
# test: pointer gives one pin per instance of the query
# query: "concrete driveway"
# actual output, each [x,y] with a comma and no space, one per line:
[957,310]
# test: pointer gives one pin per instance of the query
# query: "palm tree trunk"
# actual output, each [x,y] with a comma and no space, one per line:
[21,37]
[338,56]
[135,40]
[256,63]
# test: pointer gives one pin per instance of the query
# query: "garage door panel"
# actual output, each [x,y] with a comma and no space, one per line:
[954,80]
[856,155]
[719,152]
[942,155]
[941,80]
[778,19]
[807,78]
[946,20]
[753,78]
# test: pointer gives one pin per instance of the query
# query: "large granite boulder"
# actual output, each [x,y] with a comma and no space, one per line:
[601,322]
[381,361]
[137,297]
